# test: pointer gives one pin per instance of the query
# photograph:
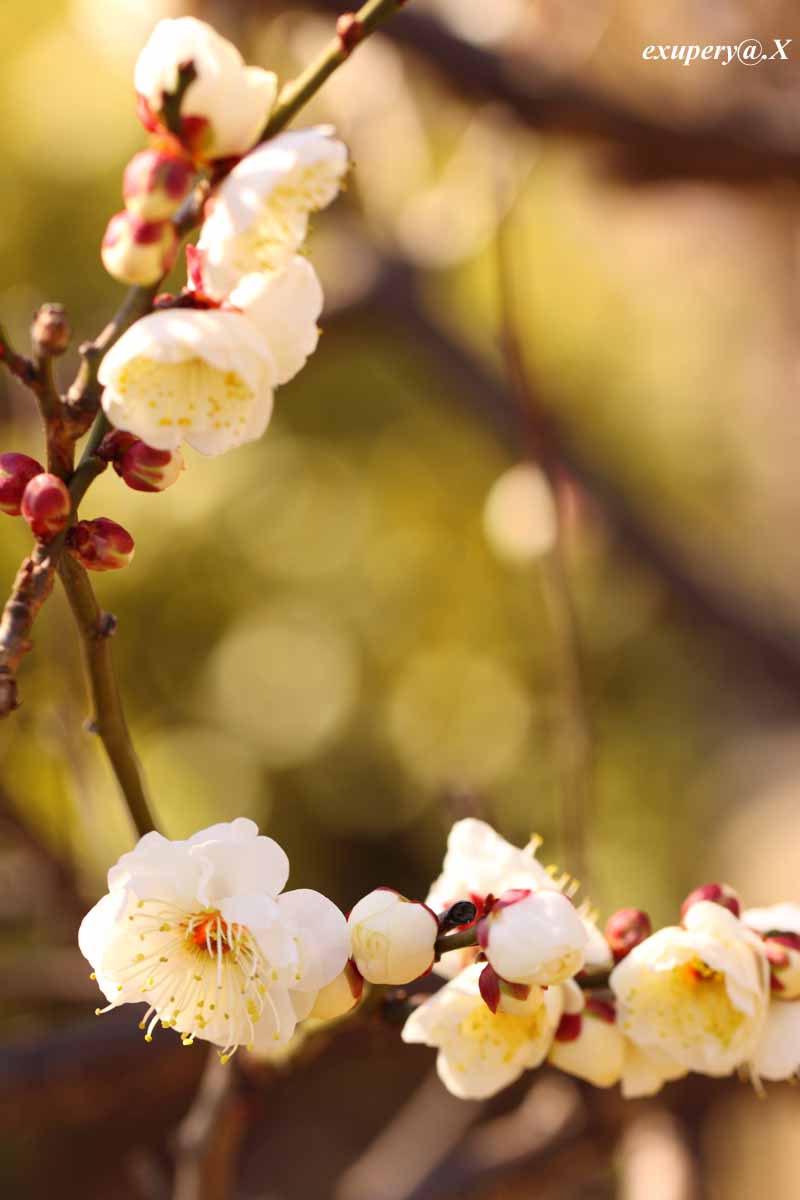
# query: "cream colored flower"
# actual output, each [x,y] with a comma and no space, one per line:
[181,375]
[391,937]
[533,937]
[481,1052]
[259,215]
[225,108]
[600,1053]
[478,863]
[697,994]
[284,306]
[202,932]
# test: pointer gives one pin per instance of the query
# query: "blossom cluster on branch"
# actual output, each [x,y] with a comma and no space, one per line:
[203,933]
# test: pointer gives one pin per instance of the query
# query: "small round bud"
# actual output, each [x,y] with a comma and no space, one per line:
[100,545]
[339,996]
[392,938]
[155,183]
[50,332]
[16,472]
[626,928]
[46,505]
[148,470]
[136,251]
[533,937]
[716,893]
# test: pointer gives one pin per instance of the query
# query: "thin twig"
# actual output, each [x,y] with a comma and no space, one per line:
[199,1130]
[108,721]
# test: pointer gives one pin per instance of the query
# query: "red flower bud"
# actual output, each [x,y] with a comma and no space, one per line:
[16,472]
[136,251]
[148,470]
[46,505]
[100,545]
[155,183]
[626,928]
[717,893]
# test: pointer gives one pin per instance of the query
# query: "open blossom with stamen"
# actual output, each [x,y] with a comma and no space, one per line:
[481,1052]
[480,863]
[778,1053]
[598,1051]
[258,218]
[202,932]
[224,108]
[183,375]
[698,994]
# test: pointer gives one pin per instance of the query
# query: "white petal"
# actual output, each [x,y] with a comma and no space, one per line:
[285,306]
[232,868]
[321,932]
[778,1052]
[596,1055]
[782,918]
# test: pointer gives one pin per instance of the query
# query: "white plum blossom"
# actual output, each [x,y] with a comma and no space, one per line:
[202,932]
[481,1052]
[777,1055]
[284,305]
[600,1053]
[183,375]
[225,107]
[392,938]
[533,937]
[479,863]
[258,218]
[698,993]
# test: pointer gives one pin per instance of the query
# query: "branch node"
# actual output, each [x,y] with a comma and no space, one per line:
[349,31]
[107,625]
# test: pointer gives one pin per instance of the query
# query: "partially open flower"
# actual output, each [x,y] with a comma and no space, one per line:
[16,472]
[779,925]
[480,863]
[481,1052]
[46,506]
[155,183]
[533,937]
[138,252]
[202,931]
[224,107]
[259,217]
[100,545]
[697,994]
[339,996]
[180,375]
[146,469]
[392,938]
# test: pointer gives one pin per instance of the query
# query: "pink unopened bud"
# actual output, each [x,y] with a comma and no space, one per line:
[155,183]
[16,472]
[100,545]
[136,251]
[716,893]
[148,470]
[46,505]
[626,928]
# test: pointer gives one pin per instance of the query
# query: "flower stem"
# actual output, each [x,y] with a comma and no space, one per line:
[461,940]
[108,721]
[300,90]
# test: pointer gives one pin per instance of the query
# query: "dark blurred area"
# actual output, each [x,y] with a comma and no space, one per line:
[320,630]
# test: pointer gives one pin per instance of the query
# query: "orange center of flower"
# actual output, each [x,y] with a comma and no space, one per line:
[209,932]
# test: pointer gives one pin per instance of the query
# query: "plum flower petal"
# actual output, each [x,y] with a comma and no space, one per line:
[259,215]
[284,306]
[182,375]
